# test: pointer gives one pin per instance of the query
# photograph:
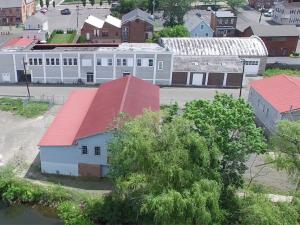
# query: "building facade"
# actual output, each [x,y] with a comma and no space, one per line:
[197,27]
[137,26]
[223,23]
[77,145]
[287,13]
[274,99]
[15,12]
[261,4]
[96,30]
[278,43]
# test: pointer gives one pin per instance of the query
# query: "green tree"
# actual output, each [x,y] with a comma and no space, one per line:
[230,124]
[174,11]
[234,4]
[175,31]
[165,172]
[127,5]
[286,144]
[83,3]
[101,3]
[109,2]
[47,3]
[42,3]
[53,4]
[92,2]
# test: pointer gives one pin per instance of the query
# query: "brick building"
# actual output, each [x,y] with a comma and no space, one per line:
[137,26]
[96,30]
[13,12]
[279,40]
[223,23]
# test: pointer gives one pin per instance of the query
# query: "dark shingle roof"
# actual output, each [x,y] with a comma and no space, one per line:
[137,14]
[193,21]
[274,30]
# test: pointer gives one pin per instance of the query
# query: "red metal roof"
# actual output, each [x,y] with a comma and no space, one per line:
[281,91]
[18,43]
[96,109]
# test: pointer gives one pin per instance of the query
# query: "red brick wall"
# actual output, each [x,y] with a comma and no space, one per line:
[114,33]
[137,31]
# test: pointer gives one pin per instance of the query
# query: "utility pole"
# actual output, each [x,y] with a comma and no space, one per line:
[241,86]
[77,9]
[153,8]
[26,78]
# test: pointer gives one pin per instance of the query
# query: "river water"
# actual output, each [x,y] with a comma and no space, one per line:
[27,215]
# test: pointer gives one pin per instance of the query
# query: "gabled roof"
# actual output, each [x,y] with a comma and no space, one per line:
[98,23]
[94,21]
[137,14]
[282,92]
[223,14]
[13,3]
[193,21]
[212,46]
[274,30]
[17,43]
[92,111]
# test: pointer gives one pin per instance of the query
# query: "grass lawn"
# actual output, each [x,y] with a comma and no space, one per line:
[276,71]
[62,38]
[28,110]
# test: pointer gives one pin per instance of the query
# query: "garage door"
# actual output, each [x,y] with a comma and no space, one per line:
[197,79]
[215,79]
[179,78]
[89,170]
[251,66]
[234,79]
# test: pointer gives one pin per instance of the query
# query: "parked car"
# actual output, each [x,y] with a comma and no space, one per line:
[65,11]
[43,10]
[269,13]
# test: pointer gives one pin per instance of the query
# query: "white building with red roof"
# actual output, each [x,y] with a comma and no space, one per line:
[76,142]
[274,99]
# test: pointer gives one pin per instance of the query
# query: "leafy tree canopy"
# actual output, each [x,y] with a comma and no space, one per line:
[166,172]
[234,4]
[230,124]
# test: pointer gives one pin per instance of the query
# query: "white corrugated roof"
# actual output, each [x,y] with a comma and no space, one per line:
[212,46]
[94,21]
[113,21]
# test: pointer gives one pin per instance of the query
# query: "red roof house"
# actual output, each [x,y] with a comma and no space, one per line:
[76,142]
[275,98]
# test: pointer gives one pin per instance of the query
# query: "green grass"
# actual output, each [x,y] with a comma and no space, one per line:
[19,107]
[62,38]
[276,71]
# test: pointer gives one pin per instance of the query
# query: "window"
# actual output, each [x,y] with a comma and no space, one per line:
[57,61]
[118,62]
[75,61]
[52,62]
[40,61]
[99,62]
[90,77]
[35,61]
[139,62]
[84,150]
[30,62]
[104,34]
[65,61]
[150,62]
[202,26]
[126,74]
[70,61]
[124,62]
[47,61]
[97,150]
[160,65]
[110,62]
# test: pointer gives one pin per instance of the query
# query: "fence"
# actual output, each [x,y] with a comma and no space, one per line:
[51,99]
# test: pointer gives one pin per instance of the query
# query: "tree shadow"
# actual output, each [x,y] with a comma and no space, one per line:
[84,183]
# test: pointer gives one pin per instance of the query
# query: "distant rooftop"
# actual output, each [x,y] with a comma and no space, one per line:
[274,30]
[96,22]
[17,43]
[223,14]
[137,14]
[212,46]
[191,22]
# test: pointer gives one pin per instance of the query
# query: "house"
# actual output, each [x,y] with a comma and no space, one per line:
[274,99]
[280,40]
[13,12]
[215,62]
[223,23]
[197,27]
[287,12]
[76,143]
[259,4]
[89,63]
[137,26]
[96,30]
[36,27]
